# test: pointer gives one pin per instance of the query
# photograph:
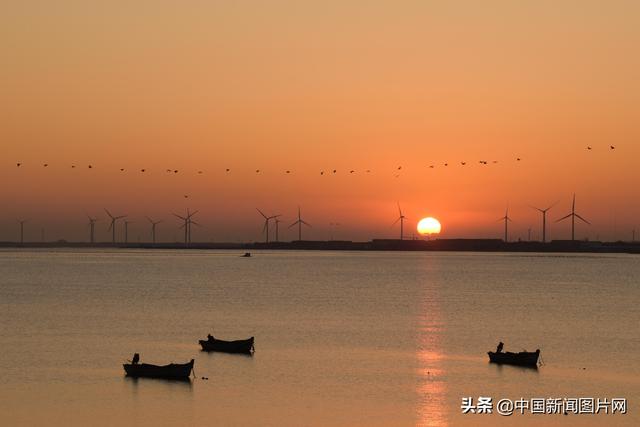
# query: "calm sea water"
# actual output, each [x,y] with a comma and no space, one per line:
[342,339]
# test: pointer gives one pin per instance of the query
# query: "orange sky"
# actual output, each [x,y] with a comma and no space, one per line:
[344,85]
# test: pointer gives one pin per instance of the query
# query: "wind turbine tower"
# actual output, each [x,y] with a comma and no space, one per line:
[265,229]
[22,222]
[126,231]
[544,221]
[299,223]
[506,220]
[153,229]
[92,228]
[187,225]
[277,221]
[112,226]
[573,215]
[401,218]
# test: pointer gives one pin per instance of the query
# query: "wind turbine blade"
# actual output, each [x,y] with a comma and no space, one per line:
[295,223]
[261,213]
[110,226]
[181,217]
[552,205]
[538,209]
[193,222]
[396,221]
[192,213]
[564,217]
[149,219]
[399,210]
[305,223]
[582,219]
[108,213]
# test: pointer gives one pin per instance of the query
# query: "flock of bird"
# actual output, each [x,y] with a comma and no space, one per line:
[321,172]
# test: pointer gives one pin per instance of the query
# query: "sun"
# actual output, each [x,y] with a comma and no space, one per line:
[428,226]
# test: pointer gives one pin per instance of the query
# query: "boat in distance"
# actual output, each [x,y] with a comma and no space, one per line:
[170,371]
[523,358]
[238,346]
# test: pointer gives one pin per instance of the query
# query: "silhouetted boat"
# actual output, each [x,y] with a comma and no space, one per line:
[238,346]
[524,358]
[172,370]
[246,255]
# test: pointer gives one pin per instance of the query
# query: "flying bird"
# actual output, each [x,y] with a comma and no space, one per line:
[288,171]
[334,171]
[351,171]
[228,170]
[446,164]
[518,159]
[399,167]
[612,147]
[18,164]
[142,170]
[121,169]
[169,170]
[257,170]
[321,172]
[90,167]
[45,165]
[186,196]
[495,161]
[463,163]
[588,147]
[200,172]
[368,170]
[175,171]
[431,166]
[73,166]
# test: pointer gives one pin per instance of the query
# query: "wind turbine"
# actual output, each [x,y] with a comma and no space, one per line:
[299,222]
[153,229]
[190,222]
[265,229]
[506,220]
[92,228]
[187,225]
[22,222]
[544,220]
[112,226]
[573,216]
[277,221]
[401,218]
[126,231]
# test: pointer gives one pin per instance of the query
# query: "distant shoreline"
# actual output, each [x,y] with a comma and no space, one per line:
[459,245]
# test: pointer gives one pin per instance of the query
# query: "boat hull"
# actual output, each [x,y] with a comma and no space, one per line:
[238,346]
[523,358]
[173,370]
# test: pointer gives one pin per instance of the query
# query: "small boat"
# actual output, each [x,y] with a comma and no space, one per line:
[523,358]
[246,255]
[172,370]
[238,346]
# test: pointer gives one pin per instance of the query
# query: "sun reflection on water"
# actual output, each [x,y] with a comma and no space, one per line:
[431,385]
